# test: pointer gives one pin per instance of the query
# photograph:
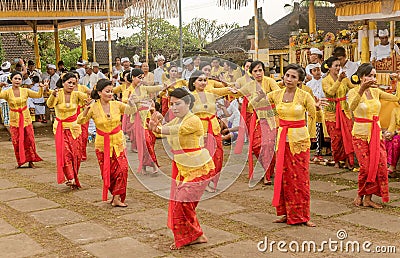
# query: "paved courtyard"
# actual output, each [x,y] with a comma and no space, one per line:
[39,218]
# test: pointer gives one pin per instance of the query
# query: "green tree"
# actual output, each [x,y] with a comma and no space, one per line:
[163,37]
[208,30]
[47,47]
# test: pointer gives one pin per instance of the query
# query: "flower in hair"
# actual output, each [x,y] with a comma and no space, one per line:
[355,78]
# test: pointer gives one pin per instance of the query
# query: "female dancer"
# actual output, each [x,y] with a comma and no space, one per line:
[117,68]
[65,101]
[261,127]
[145,139]
[174,81]
[205,108]
[292,180]
[109,144]
[337,114]
[212,82]
[364,101]
[85,127]
[125,82]
[192,168]
[148,78]
[21,129]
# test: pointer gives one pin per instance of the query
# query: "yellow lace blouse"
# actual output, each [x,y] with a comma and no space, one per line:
[64,110]
[395,120]
[187,133]
[121,88]
[149,79]
[208,108]
[178,84]
[366,108]
[211,84]
[142,93]
[107,124]
[336,89]
[242,81]
[19,102]
[86,90]
[298,138]
[216,72]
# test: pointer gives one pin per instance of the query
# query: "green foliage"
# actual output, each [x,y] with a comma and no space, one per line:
[163,37]
[208,30]
[47,47]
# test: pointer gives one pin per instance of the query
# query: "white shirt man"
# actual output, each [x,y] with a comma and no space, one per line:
[189,68]
[383,50]
[346,65]
[81,69]
[316,82]
[159,71]
[52,76]
[315,57]
[5,67]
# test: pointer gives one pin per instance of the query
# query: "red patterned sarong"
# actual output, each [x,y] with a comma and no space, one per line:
[294,201]
[149,154]
[84,139]
[281,156]
[71,157]
[337,144]
[393,150]
[381,185]
[21,132]
[182,219]
[129,129]
[118,173]
[29,147]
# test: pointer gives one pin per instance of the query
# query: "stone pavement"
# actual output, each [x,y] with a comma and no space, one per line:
[39,218]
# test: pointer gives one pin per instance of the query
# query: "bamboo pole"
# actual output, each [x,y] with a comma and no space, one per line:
[255,30]
[392,32]
[146,31]
[281,65]
[109,40]
[180,35]
[84,44]
[57,42]
[36,46]
[312,26]
[365,45]
[93,45]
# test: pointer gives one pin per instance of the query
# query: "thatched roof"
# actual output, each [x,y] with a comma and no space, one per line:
[156,8]
[23,15]
[235,4]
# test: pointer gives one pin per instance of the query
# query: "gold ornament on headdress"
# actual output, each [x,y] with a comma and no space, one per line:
[326,66]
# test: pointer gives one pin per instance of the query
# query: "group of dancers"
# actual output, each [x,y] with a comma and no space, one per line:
[279,121]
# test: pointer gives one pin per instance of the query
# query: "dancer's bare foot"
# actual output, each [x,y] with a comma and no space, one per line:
[155,170]
[31,165]
[281,220]
[200,240]
[370,203]
[336,165]
[347,165]
[116,202]
[358,201]
[209,189]
[310,224]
